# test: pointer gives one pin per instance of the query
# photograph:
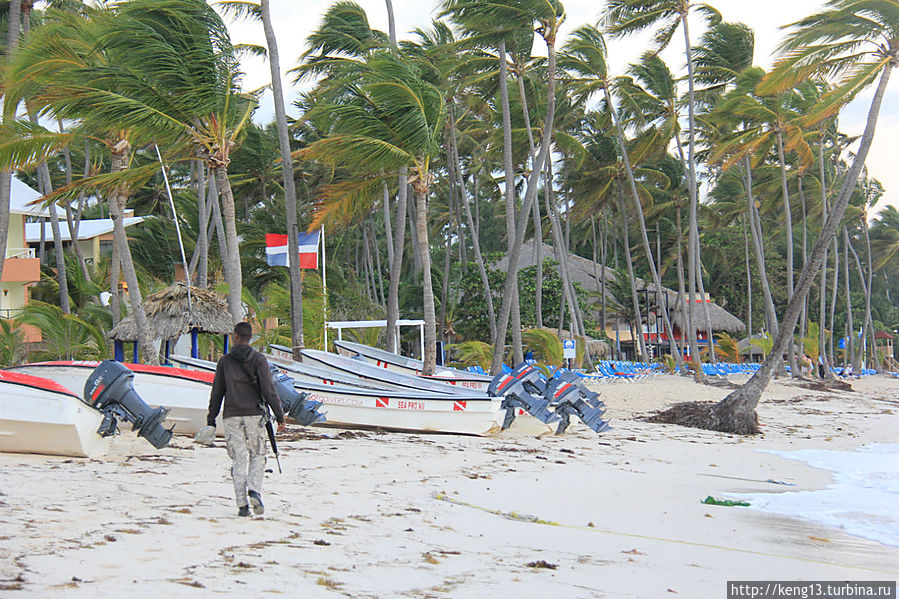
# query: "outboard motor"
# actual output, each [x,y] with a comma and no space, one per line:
[569,395]
[110,389]
[293,402]
[522,388]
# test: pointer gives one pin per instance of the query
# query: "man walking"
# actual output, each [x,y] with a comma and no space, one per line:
[240,378]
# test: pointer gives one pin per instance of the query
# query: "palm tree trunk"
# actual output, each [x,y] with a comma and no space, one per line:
[788,220]
[860,358]
[71,222]
[736,412]
[639,340]
[758,241]
[472,227]
[117,202]
[231,261]
[399,241]
[693,240]
[638,207]
[413,233]
[748,280]
[822,288]
[604,235]
[803,317]
[850,338]
[509,199]
[290,191]
[538,230]
[681,288]
[559,246]
[397,264]
[878,365]
[14,12]
[531,192]
[421,223]
[115,302]
[376,250]
[834,294]
[386,207]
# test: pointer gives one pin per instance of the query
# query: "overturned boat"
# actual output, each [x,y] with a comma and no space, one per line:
[408,410]
[38,415]
[413,367]
[184,393]
[360,368]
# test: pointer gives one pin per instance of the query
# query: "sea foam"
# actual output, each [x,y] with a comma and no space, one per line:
[862,499]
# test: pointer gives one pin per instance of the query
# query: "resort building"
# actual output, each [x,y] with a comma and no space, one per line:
[620,326]
[22,267]
[94,236]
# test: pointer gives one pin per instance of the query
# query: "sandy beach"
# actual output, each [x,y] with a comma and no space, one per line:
[377,514]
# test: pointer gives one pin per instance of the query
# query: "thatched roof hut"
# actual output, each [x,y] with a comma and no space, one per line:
[170,316]
[588,275]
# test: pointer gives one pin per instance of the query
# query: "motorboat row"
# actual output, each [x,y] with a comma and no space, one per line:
[41,410]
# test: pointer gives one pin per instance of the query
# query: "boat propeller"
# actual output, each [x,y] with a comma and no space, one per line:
[110,389]
[294,403]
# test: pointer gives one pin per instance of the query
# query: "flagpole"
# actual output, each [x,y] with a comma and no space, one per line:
[324,291]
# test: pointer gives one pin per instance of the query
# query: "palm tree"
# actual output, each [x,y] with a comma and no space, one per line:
[625,17]
[290,191]
[584,56]
[388,118]
[858,39]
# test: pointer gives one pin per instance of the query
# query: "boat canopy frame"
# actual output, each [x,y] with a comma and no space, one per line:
[339,325]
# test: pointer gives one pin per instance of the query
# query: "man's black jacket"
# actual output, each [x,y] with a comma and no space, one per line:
[234,382]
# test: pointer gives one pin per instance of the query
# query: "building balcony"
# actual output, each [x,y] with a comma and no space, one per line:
[21,266]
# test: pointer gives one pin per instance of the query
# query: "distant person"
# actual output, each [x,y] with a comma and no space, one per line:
[243,379]
[847,370]
[820,366]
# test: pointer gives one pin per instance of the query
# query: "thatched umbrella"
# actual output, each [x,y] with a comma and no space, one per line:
[170,315]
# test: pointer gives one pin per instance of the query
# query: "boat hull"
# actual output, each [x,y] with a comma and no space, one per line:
[411,367]
[184,393]
[34,420]
[406,410]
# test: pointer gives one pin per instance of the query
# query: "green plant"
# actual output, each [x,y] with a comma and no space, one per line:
[473,353]
[11,343]
[545,344]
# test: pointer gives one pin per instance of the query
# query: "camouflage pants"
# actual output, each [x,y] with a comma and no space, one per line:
[245,438]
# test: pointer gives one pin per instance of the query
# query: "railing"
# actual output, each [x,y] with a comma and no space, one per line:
[20,253]
[10,312]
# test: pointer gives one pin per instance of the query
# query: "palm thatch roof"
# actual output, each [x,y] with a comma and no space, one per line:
[169,315]
[589,275]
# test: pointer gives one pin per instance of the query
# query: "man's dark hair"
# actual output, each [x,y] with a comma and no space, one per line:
[243,332]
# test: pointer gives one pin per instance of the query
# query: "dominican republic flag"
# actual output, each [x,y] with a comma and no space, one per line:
[276,249]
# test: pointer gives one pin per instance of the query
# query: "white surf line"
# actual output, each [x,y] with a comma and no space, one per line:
[535,520]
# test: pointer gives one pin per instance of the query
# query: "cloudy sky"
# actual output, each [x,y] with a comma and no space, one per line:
[294,20]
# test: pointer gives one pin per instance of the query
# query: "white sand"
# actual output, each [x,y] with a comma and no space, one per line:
[355,514]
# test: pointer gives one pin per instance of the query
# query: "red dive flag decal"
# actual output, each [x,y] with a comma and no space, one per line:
[459,406]
[382,402]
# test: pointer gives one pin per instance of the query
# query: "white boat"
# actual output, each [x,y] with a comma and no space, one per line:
[361,368]
[38,415]
[403,410]
[413,367]
[310,373]
[184,392]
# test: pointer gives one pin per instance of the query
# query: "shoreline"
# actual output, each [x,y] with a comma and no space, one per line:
[355,512]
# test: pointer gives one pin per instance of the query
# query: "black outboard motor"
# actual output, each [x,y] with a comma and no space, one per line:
[569,395]
[522,389]
[110,389]
[293,402]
